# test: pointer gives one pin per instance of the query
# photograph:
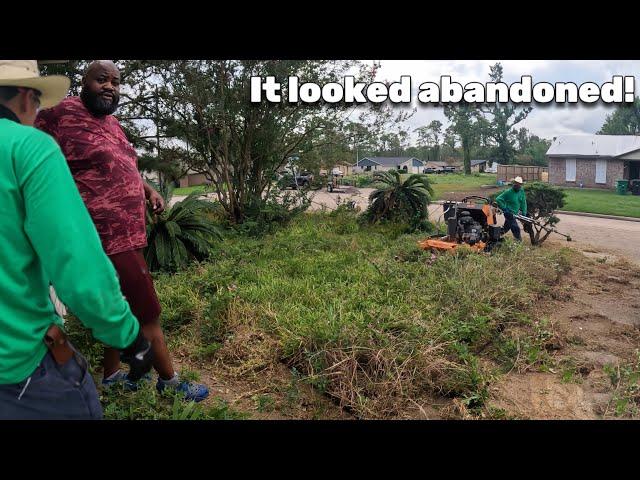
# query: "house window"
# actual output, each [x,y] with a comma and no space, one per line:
[405,168]
[601,171]
[570,170]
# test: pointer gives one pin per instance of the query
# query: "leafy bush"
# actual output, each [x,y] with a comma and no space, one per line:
[181,234]
[542,201]
[277,210]
[400,200]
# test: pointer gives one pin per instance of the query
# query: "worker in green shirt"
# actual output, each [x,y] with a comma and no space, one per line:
[48,237]
[513,201]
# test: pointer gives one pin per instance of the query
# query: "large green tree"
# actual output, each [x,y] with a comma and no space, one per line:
[503,118]
[465,128]
[625,120]
[429,138]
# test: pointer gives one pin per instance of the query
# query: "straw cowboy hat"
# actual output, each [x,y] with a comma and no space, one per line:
[518,180]
[25,73]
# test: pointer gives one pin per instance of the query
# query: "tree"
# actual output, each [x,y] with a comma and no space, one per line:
[429,138]
[625,120]
[204,107]
[400,200]
[503,118]
[463,119]
[542,201]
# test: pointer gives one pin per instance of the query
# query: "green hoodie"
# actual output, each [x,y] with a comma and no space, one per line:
[514,201]
[47,236]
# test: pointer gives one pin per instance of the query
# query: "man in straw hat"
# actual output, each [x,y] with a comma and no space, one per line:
[513,201]
[104,166]
[48,237]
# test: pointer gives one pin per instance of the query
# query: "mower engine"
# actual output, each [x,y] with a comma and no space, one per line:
[470,223]
[469,231]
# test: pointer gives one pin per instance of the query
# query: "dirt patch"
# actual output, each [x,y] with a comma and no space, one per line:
[538,396]
[599,320]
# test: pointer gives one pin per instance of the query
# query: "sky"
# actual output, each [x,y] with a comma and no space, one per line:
[544,121]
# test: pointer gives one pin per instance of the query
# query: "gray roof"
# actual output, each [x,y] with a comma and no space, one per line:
[593,145]
[477,162]
[390,161]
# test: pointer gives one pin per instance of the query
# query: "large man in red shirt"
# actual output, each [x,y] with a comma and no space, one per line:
[104,166]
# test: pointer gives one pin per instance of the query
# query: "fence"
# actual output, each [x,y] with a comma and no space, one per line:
[506,173]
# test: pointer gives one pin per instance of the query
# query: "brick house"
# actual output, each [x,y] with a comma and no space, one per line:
[593,161]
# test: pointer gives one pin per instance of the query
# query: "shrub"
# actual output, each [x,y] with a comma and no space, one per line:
[181,234]
[399,200]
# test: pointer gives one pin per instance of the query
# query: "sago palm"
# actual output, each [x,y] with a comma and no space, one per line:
[181,234]
[399,199]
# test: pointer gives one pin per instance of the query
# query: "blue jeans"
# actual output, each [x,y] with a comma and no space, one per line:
[510,223]
[53,392]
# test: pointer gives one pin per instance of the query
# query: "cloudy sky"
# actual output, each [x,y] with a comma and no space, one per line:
[547,121]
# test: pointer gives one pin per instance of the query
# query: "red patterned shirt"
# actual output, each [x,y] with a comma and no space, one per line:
[104,166]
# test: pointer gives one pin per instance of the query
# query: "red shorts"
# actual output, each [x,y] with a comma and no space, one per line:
[137,285]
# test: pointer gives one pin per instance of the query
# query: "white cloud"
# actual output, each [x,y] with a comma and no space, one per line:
[548,121]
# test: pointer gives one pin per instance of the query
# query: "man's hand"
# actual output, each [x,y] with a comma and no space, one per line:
[156,201]
[139,356]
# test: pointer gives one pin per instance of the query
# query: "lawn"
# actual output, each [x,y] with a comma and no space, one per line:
[189,190]
[444,184]
[605,202]
[357,312]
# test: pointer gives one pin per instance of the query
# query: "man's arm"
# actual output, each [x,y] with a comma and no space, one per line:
[66,242]
[500,199]
[523,204]
[154,198]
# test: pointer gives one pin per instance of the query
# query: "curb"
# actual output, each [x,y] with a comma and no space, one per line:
[598,215]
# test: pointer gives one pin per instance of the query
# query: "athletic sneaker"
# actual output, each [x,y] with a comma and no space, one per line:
[121,377]
[195,392]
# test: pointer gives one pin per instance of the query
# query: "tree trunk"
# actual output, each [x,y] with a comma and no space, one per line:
[466,149]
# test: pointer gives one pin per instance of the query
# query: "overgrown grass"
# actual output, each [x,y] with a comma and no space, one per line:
[605,202]
[363,314]
[146,403]
[625,379]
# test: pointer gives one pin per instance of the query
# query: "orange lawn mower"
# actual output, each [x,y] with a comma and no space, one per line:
[472,223]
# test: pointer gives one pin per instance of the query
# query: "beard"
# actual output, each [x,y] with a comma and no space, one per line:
[98,105]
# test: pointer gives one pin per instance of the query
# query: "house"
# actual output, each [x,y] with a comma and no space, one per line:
[436,165]
[377,164]
[594,161]
[478,166]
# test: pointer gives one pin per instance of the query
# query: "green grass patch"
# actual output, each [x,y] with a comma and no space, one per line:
[606,202]
[189,190]
[363,314]
[457,183]
[625,380]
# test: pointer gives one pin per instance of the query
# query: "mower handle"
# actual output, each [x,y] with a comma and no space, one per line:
[488,200]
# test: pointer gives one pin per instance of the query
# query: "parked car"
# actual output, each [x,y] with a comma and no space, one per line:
[302,180]
[430,170]
[448,169]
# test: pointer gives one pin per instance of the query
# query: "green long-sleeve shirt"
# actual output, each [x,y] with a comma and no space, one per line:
[514,201]
[47,235]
